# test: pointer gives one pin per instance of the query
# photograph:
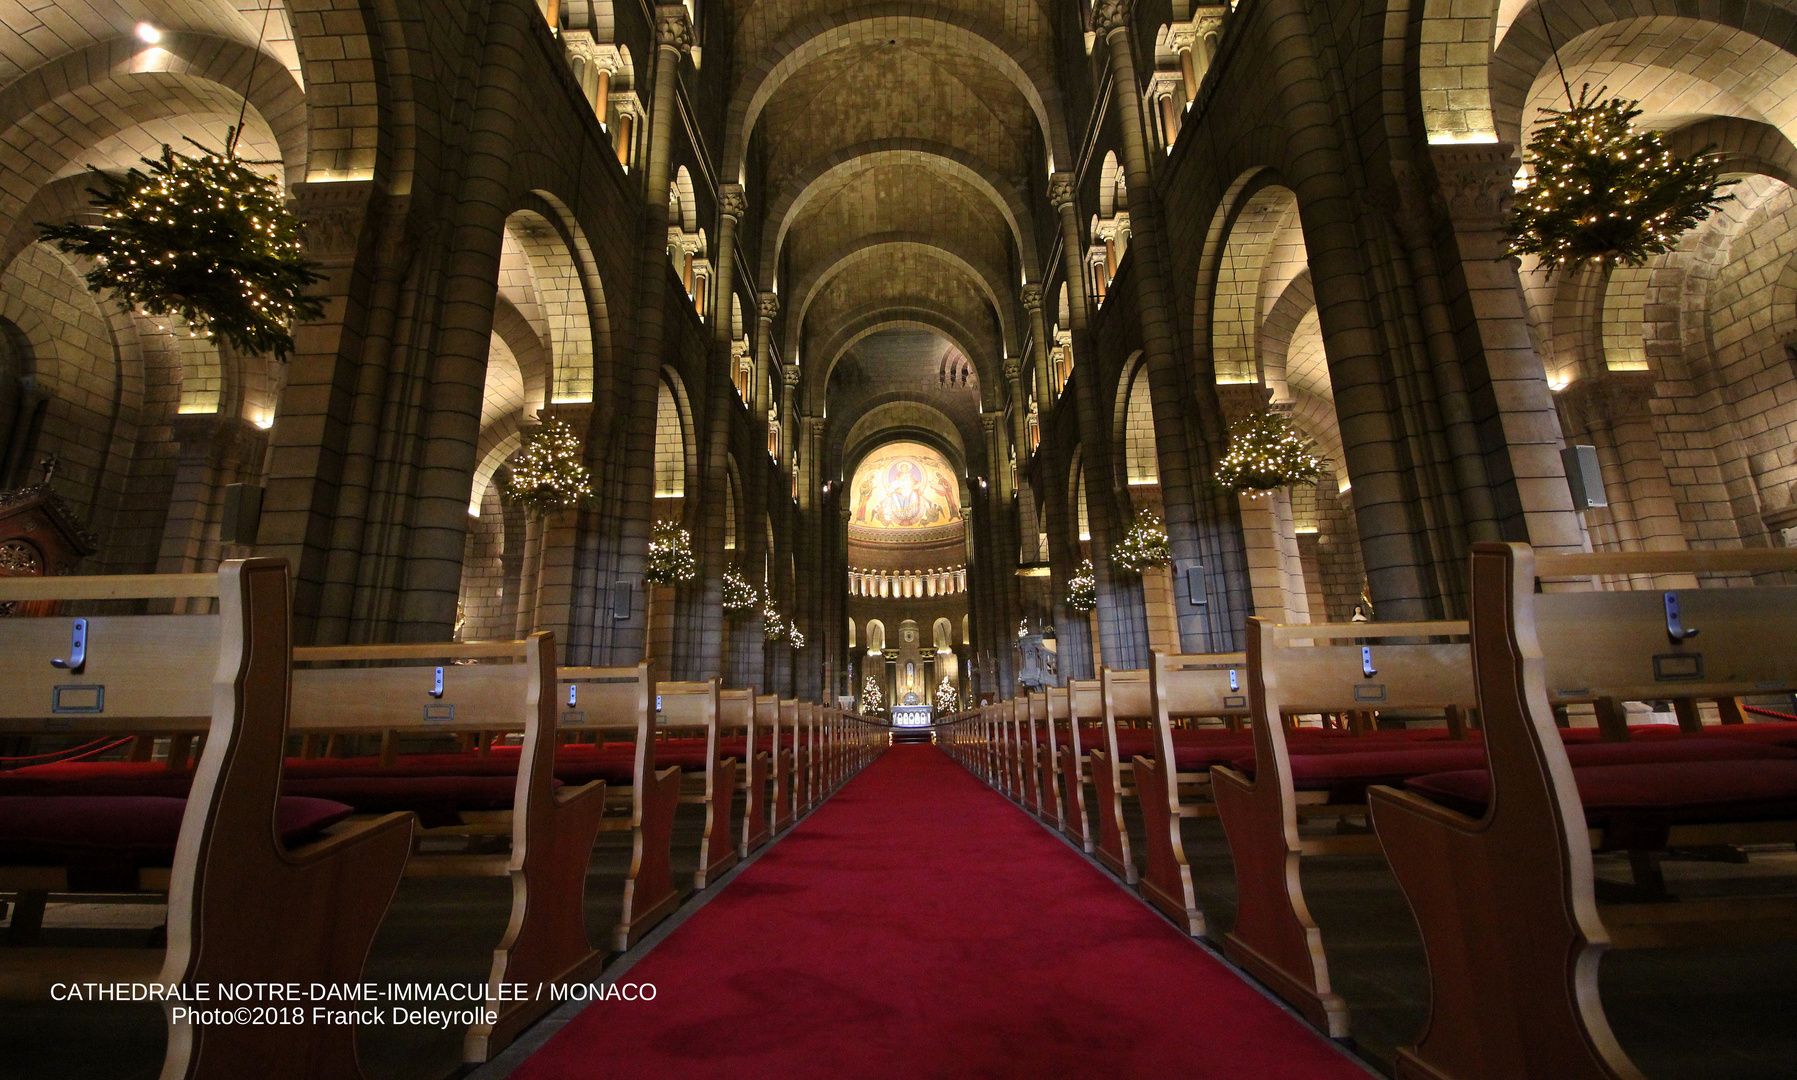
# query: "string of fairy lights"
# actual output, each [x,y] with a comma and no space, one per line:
[204,236]
[671,557]
[1266,453]
[1144,544]
[1604,190]
[547,473]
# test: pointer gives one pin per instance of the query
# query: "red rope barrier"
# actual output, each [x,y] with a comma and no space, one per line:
[75,752]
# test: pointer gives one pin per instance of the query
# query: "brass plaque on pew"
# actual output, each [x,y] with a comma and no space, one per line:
[439,714]
[574,718]
[74,698]
[1677,667]
[1370,692]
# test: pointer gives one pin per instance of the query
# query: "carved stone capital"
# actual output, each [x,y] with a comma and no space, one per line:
[989,421]
[1109,16]
[1060,190]
[673,27]
[1012,370]
[770,305]
[790,374]
[731,201]
[1477,180]
[1032,298]
[1612,396]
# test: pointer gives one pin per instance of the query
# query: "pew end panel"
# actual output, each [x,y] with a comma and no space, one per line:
[622,699]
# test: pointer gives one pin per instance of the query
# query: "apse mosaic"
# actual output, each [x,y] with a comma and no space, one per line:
[904,486]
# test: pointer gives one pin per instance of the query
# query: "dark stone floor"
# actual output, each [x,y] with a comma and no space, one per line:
[1681,1014]
[438,930]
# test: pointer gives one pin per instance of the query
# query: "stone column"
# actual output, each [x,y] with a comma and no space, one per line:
[1477,185]
[634,458]
[1122,623]
[1039,342]
[1201,628]
[705,625]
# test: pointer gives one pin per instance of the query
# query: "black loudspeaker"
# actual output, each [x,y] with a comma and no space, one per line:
[1195,585]
[242,514]
[1584,477]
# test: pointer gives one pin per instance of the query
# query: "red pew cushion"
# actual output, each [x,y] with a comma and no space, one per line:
[1637,803]
[104,840]
[437,800]
[1347,776]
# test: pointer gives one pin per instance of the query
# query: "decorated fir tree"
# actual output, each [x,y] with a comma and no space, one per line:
[671,558]
[1143,545]
[1604,190]
[948,699]
[873,702]
[1266,452]
[739,595]
[546,473]
[794,637]
[203,236]
[772,626]
[1082,588]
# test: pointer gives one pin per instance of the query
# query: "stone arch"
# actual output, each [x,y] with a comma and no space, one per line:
[790,201]
[1216,240]
[873,318]
[1613,33]
[1112,190]
[876,636]
[991,281]
[569,297]
[942,634]
[73,97]
[1234,306]
[676,467]
[818,36]
[1133,420]
[903,420]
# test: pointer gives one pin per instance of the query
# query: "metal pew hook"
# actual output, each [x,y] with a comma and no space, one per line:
[1366,661]
[1675,628]
[77,649]
[436,690]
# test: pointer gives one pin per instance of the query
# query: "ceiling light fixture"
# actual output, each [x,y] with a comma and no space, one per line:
[148,34]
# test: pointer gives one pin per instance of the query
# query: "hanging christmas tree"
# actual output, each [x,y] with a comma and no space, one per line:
[739,595]
[671,558]
[873,703]
[794,637]
[772,627]
[1143,545]
[1606,190]
[1266,452]
[547,474]
[1082,588]
[205,236]
[948,699]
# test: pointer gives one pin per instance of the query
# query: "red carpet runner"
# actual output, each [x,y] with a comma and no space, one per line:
[918,925]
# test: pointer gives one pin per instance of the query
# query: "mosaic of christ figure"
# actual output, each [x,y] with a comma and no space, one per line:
[903,492]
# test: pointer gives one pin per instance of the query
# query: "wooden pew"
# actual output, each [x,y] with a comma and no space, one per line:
[1296,670]
[736,712]
[1185,687]
[492,687]
[690,707]
[763,805]
[786,767]
[1048,783]
[1121,694]
[1507,899]
[1083,701]
[620,701]
[232,880]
